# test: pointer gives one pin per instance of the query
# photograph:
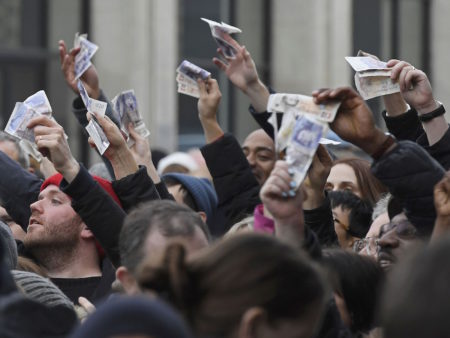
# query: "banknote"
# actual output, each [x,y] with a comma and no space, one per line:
[302,104]
[92,105]
[33,106]
[31,150]
[39,103]
[181,78]
[372,73]
[363,63]
[126,106]
[188,90]
[97,134]
[370,87]
[83,58]
[192,71]
[76,41]
[305,139]
[219,32]
[18,121]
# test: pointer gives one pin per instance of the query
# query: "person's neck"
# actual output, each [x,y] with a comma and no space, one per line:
[79,262]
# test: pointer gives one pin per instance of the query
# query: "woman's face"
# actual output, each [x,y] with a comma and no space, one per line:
[342,177]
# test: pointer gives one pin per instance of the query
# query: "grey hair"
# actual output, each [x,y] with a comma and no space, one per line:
[381,206]
[22,155]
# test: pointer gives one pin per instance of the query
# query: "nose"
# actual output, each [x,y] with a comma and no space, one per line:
[36,207]
[389,239]
[251,159]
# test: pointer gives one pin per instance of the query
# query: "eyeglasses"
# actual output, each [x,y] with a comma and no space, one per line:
[367,246]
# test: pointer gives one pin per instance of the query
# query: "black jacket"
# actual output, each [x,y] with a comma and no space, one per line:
[408,127]
[236,187]
[410,174]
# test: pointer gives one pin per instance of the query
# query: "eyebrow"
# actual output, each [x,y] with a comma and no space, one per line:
[347,182]
[258,149]
[50,193]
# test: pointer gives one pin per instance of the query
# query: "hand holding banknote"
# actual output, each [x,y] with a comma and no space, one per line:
[394,103]
[284,204]
[316,180]
[52,143]
[414,86]
[241,71]
[89,77]
[208,104]
[354,120]
[117,153]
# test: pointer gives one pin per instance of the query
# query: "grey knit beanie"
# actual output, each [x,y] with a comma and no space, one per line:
[40,289]
[9,246]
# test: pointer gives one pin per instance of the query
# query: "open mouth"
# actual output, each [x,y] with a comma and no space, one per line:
[34,222]
[385,260]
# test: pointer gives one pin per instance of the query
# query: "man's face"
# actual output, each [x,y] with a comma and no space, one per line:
[396,238]
[260,152]
[53,221]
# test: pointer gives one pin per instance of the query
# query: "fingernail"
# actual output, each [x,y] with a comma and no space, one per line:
[284,194]
[292,184]
[291,193]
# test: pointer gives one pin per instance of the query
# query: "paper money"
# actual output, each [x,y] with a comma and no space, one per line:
[125,105]
[374,86]
[303,144]
[364,63]
[83,58]
[17,123]
[31,150]
[219,31]
[97,134]
[302,104]
[192,71]
[39,103]
[188,90]
[92,105]
[187,76]
[35,105]
[372,73]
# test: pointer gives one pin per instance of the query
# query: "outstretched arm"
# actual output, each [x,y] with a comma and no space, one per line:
[241,71]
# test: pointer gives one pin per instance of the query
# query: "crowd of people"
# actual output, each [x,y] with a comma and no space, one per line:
[219,242]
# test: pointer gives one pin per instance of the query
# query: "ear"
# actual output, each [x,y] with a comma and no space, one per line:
[252,322]
[86,233]
[127,280]
[202,216]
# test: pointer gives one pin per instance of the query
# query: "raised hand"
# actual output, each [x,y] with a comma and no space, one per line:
[354,121]
[209,100]
[314,185]
[284,204]
[89,78]
[142,153]
[51,142]
[414,85]
[208,104]
[118,154]
[241,71]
